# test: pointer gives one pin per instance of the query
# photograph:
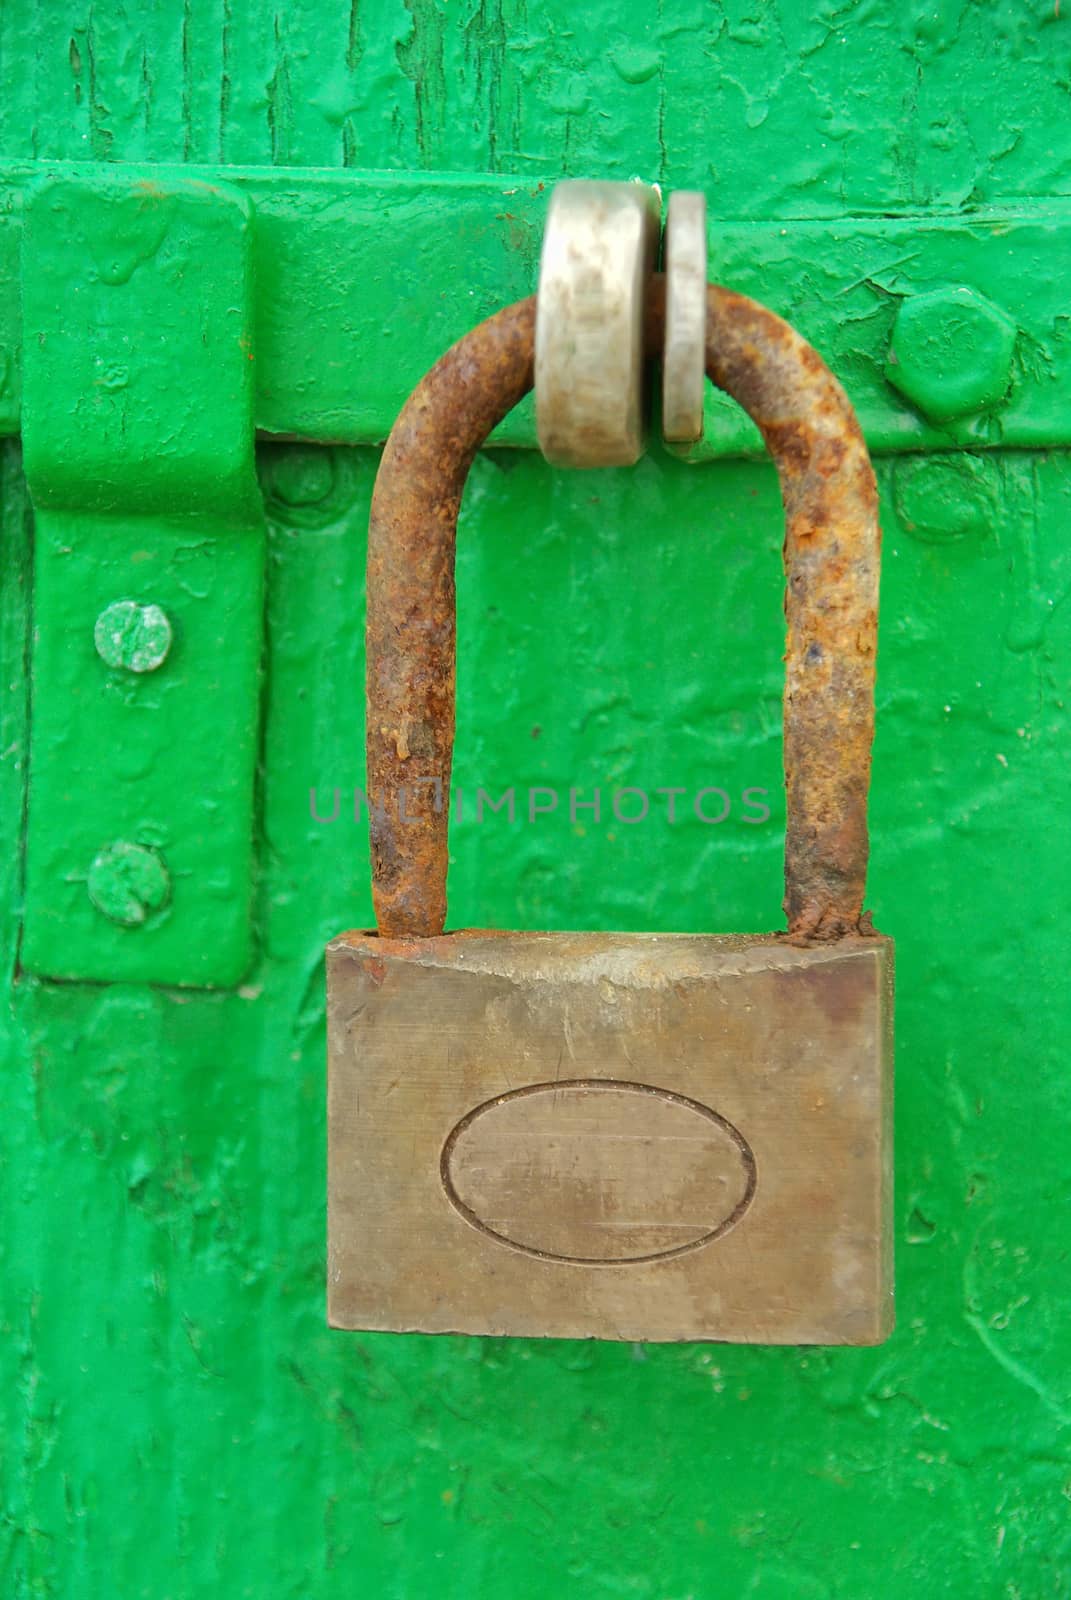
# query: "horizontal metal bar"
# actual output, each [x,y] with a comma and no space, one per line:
[946,331]
[361,280]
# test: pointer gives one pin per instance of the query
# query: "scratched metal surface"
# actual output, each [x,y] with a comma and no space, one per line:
[177,1419]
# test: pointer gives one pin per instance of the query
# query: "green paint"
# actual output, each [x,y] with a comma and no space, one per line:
[951,353]
[321,287]
[947,329]
[137,437]
[176,1419]
[133,636]
[127,882]
[137,344]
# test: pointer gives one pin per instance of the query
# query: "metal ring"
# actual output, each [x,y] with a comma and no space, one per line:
[683,358]
[598,255]
[831,552]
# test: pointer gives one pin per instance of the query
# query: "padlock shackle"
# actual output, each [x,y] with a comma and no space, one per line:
[831,555]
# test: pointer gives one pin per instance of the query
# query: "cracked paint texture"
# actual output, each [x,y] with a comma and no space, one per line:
[177,1421]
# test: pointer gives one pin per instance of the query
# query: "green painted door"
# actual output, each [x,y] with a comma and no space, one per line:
[177,1420]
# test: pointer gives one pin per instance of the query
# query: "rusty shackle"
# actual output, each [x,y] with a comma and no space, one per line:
[831,557]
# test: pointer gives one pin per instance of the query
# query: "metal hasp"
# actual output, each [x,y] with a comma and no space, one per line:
[325,292]
[138,443]
[598,250]
[617,1135]
[684,251]
[950,330]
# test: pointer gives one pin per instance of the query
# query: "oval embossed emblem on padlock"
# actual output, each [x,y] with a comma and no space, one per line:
[598,1171]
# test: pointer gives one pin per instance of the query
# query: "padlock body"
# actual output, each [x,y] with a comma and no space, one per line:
[615,1136]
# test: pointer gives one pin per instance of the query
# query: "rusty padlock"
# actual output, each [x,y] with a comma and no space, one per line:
[620,1136]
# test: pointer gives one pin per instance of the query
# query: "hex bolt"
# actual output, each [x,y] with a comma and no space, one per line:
[127,882]
[951,353]
[131,635]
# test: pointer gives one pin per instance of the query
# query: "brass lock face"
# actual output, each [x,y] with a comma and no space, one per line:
[619,1136]
[616,1136]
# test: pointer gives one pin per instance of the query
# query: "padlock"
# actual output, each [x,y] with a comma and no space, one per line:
[620,1136]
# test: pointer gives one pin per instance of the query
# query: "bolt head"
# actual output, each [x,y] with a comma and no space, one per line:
[132,636]
[127,882]
[951,353]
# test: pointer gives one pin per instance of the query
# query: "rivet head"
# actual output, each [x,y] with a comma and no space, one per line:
[127,882]
[131,635]
[303,475]
[945,497]
[951,353]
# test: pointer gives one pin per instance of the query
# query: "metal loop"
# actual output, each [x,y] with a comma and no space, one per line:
[684,352]
[831,553]
[598,255]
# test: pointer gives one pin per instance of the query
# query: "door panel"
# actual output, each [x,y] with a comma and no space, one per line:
[178,1420]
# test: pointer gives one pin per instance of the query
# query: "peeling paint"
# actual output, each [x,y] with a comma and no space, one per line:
[176,1418]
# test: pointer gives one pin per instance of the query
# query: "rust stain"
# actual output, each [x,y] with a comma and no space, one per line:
[831,553]
[411,620]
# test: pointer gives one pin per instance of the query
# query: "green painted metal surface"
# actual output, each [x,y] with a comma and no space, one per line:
[945,329]
[949,329]
[138,449]
[324,291]
[176,1419]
